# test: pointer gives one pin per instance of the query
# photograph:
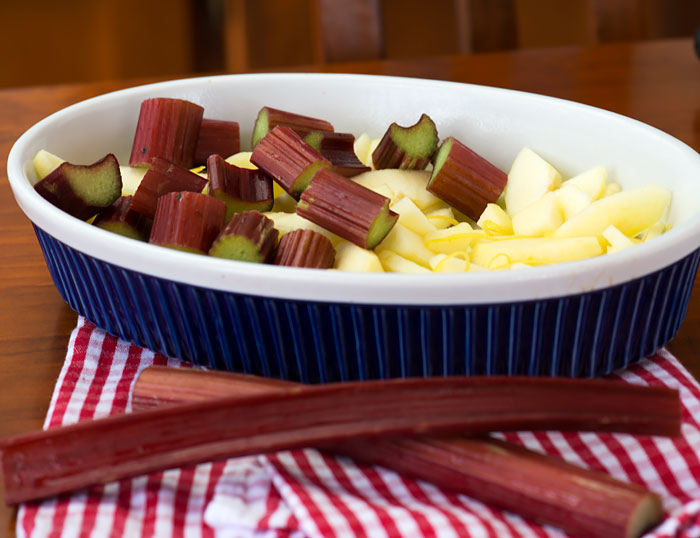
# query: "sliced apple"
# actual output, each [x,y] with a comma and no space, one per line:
[454,239]
[287,222]
[444,263]
[572,199]
[616,239]
[398,264]
[412,217]
[442,218]
[529,178]
[631,211]
[397,184]
[406,243]
[45,162]
[610,189]
[541,217]
[350,257]
[533,251]
[494,220]
[131,178]
[592,181]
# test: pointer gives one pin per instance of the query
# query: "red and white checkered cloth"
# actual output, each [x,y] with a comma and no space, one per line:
[305,493]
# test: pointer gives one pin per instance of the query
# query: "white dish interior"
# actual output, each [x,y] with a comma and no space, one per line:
[494,122]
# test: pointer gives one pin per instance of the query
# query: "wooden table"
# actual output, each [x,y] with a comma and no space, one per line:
[655,82]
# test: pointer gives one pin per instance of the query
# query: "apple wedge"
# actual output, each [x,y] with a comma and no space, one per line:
[350,257]
[529,178]
[533,251]
[541,217]
[631,211]
[397,184]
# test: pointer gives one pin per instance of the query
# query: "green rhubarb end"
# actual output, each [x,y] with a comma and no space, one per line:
[236,248]
[234,205]
[418,140]
[440,158]
[314,139]
[123,229]
[303,180]
[262,126]
[381,226]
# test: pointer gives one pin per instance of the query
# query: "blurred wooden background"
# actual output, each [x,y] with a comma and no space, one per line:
[47,42]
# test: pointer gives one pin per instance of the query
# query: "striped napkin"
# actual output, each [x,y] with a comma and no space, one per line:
[302,493]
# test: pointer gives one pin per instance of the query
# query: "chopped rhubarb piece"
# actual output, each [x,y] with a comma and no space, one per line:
[464,179]
[188,221]
[241,189]
[249,236]
[65,458]
[119,218]
[290,161]
[163,177]
[541,488]
[347,209]
[83,190]
[305,248]
[166,128]
[269,118]
[217,137]
[407,148]
[339,149]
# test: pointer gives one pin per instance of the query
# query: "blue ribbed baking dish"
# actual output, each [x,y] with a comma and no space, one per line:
[576,319]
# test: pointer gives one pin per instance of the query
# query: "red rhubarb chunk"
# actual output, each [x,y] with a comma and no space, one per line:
[119,218]
[163,177]
[305,248]
[188,221]
[217,137]
[83,190]
[347,209]
[241,189]
[269,118]
[166,128]
[290,161]
[464,179]
[339,149]
[249,236]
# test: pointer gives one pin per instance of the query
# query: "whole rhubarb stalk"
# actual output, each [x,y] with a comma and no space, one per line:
[66,458]
[538,487]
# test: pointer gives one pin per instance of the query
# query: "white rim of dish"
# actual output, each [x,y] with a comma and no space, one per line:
[535,283]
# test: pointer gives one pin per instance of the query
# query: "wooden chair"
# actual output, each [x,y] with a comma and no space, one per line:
[264,34]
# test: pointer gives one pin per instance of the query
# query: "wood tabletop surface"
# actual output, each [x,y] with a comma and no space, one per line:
[656,82]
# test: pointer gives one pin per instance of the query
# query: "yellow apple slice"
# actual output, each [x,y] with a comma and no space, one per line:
[350,257]
[610,189]
[455,239]
[618,241]
[495,221]
[45,162]
[412,217]
[287,222]
[529,178]
[572,199]
[592,181]
[131,178]
[406,243]
[444,263]
[533,251]
[442,218]
[397,184]
[398,264]
[631,211]
[541,217]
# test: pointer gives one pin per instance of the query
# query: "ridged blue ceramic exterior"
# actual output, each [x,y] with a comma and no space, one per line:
[578,335]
